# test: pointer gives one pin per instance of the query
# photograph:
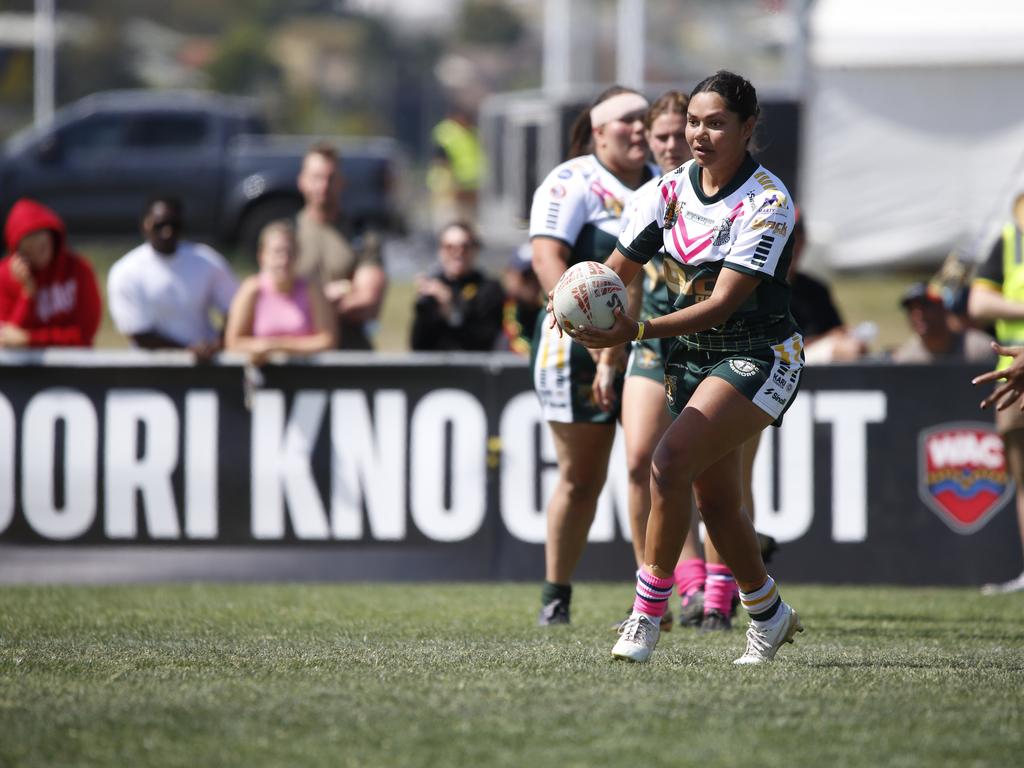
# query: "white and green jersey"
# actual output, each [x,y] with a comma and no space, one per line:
[581,203]
[747,226]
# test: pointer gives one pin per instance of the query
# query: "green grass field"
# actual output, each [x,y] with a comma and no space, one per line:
[457,675]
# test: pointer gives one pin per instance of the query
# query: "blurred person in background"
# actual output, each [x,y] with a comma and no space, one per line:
[997,296]
[161,293]
[827,338]
[48,294]
[937,333]
[276,311]
[456,169]
[576,216]
[457,306]
[524,302]
[350,272]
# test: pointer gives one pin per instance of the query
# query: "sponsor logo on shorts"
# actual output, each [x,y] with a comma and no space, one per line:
[743,367]
[962,474]
[648,359]
[775,396]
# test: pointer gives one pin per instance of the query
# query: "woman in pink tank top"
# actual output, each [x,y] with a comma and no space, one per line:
[276,311]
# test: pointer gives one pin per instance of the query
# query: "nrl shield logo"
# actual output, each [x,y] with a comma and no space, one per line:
[962,474]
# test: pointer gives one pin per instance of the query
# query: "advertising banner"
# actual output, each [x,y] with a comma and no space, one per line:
[438,467]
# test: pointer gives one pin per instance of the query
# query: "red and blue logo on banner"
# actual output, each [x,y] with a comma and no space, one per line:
[962,474]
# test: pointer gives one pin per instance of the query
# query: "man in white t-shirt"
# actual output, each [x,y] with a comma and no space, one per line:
[161,293]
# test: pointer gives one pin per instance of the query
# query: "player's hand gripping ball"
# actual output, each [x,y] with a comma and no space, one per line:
[587,294]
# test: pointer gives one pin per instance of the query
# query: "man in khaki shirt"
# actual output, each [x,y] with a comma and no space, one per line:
[353,278]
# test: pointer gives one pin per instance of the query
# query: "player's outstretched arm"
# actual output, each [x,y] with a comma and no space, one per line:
[1010,391]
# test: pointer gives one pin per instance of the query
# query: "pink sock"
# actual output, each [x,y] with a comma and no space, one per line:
[690,576]
[652,593]
[719,589]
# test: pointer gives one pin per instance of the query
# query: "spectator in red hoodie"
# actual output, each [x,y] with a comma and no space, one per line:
[48,295]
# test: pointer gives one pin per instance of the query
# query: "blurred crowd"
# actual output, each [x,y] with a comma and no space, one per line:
[319,287]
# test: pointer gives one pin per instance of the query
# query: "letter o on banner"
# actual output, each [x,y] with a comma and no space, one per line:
[7,434]
[464,513]
[79,462]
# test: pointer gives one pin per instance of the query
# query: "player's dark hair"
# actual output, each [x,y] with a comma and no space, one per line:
[581,133]
[669,103]
[736,91]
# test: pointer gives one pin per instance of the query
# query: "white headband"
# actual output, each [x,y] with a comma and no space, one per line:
[619,105]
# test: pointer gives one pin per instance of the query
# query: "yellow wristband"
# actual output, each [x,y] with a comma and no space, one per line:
[640,330]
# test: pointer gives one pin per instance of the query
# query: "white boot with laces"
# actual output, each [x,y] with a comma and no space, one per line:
[764,642]
[637,639]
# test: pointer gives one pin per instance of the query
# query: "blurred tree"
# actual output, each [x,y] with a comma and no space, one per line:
[242,64]
[95,62]
[488,22]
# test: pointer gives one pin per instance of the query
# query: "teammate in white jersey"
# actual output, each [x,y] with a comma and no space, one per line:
[576,216]
[734,362]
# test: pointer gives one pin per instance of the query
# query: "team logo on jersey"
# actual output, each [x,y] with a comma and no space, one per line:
[743,367]
[671,213]
[672,206]
[962,474]
[722,232]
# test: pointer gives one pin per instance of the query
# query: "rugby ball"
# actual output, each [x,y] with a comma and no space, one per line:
[586,294]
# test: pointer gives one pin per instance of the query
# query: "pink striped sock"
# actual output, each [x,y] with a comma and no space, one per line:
[690,576]
[719,589]
[652,594]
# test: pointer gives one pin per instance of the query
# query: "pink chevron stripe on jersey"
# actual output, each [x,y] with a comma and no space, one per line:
[690,247]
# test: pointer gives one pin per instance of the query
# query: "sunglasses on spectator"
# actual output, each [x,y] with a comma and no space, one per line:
[461,245]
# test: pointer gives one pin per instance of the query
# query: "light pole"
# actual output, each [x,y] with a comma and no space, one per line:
[45,61]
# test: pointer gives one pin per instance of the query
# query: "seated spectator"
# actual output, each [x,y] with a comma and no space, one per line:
[826,338]
[938,335]
[457,306]
[523,301]
[161,293]
[275,311]
[48,294]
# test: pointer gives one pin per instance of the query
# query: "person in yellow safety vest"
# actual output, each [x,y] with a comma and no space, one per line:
[457,168]
[997,296]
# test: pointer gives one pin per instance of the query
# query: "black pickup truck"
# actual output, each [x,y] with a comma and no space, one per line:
[104,155]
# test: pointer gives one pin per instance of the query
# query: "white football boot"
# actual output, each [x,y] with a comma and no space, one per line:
[1006,587]
[637,638]
[764,643]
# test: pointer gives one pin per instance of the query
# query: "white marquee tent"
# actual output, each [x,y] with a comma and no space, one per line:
[913,138]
